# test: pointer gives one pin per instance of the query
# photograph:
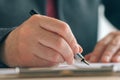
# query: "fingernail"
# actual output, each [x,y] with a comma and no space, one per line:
[78,49]
[93,59]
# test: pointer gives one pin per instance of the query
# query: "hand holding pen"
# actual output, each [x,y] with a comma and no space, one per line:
[77,56]
[40,41]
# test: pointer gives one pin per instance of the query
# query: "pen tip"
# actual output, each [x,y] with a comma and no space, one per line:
[86,62]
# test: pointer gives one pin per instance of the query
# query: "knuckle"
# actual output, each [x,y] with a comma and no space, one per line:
[72,42]
[59,42]
[110,50]
[65,27]
[116,41]
[101,43]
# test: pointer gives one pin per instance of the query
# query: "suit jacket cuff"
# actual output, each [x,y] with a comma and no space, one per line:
[4,32]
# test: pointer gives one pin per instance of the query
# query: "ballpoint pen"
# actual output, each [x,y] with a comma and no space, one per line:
[78,57]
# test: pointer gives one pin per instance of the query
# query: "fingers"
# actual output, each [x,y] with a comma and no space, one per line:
[116,57]
[99,48]
[107,50]
[57,43]
[40,62]
[48,54]
[80,49]
[87,57]
[111,49]
[36,61]
[59,27]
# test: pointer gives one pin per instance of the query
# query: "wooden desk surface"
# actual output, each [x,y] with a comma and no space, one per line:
[87,77]
[72,78]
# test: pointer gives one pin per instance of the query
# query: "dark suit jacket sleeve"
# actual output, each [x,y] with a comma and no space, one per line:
[112,11]
[3,34]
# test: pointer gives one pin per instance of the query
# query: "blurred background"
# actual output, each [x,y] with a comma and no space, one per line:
[105,27]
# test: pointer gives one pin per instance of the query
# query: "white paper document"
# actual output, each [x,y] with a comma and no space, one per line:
[114,67]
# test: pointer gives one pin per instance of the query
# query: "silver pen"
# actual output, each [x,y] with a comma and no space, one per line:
[78,57]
